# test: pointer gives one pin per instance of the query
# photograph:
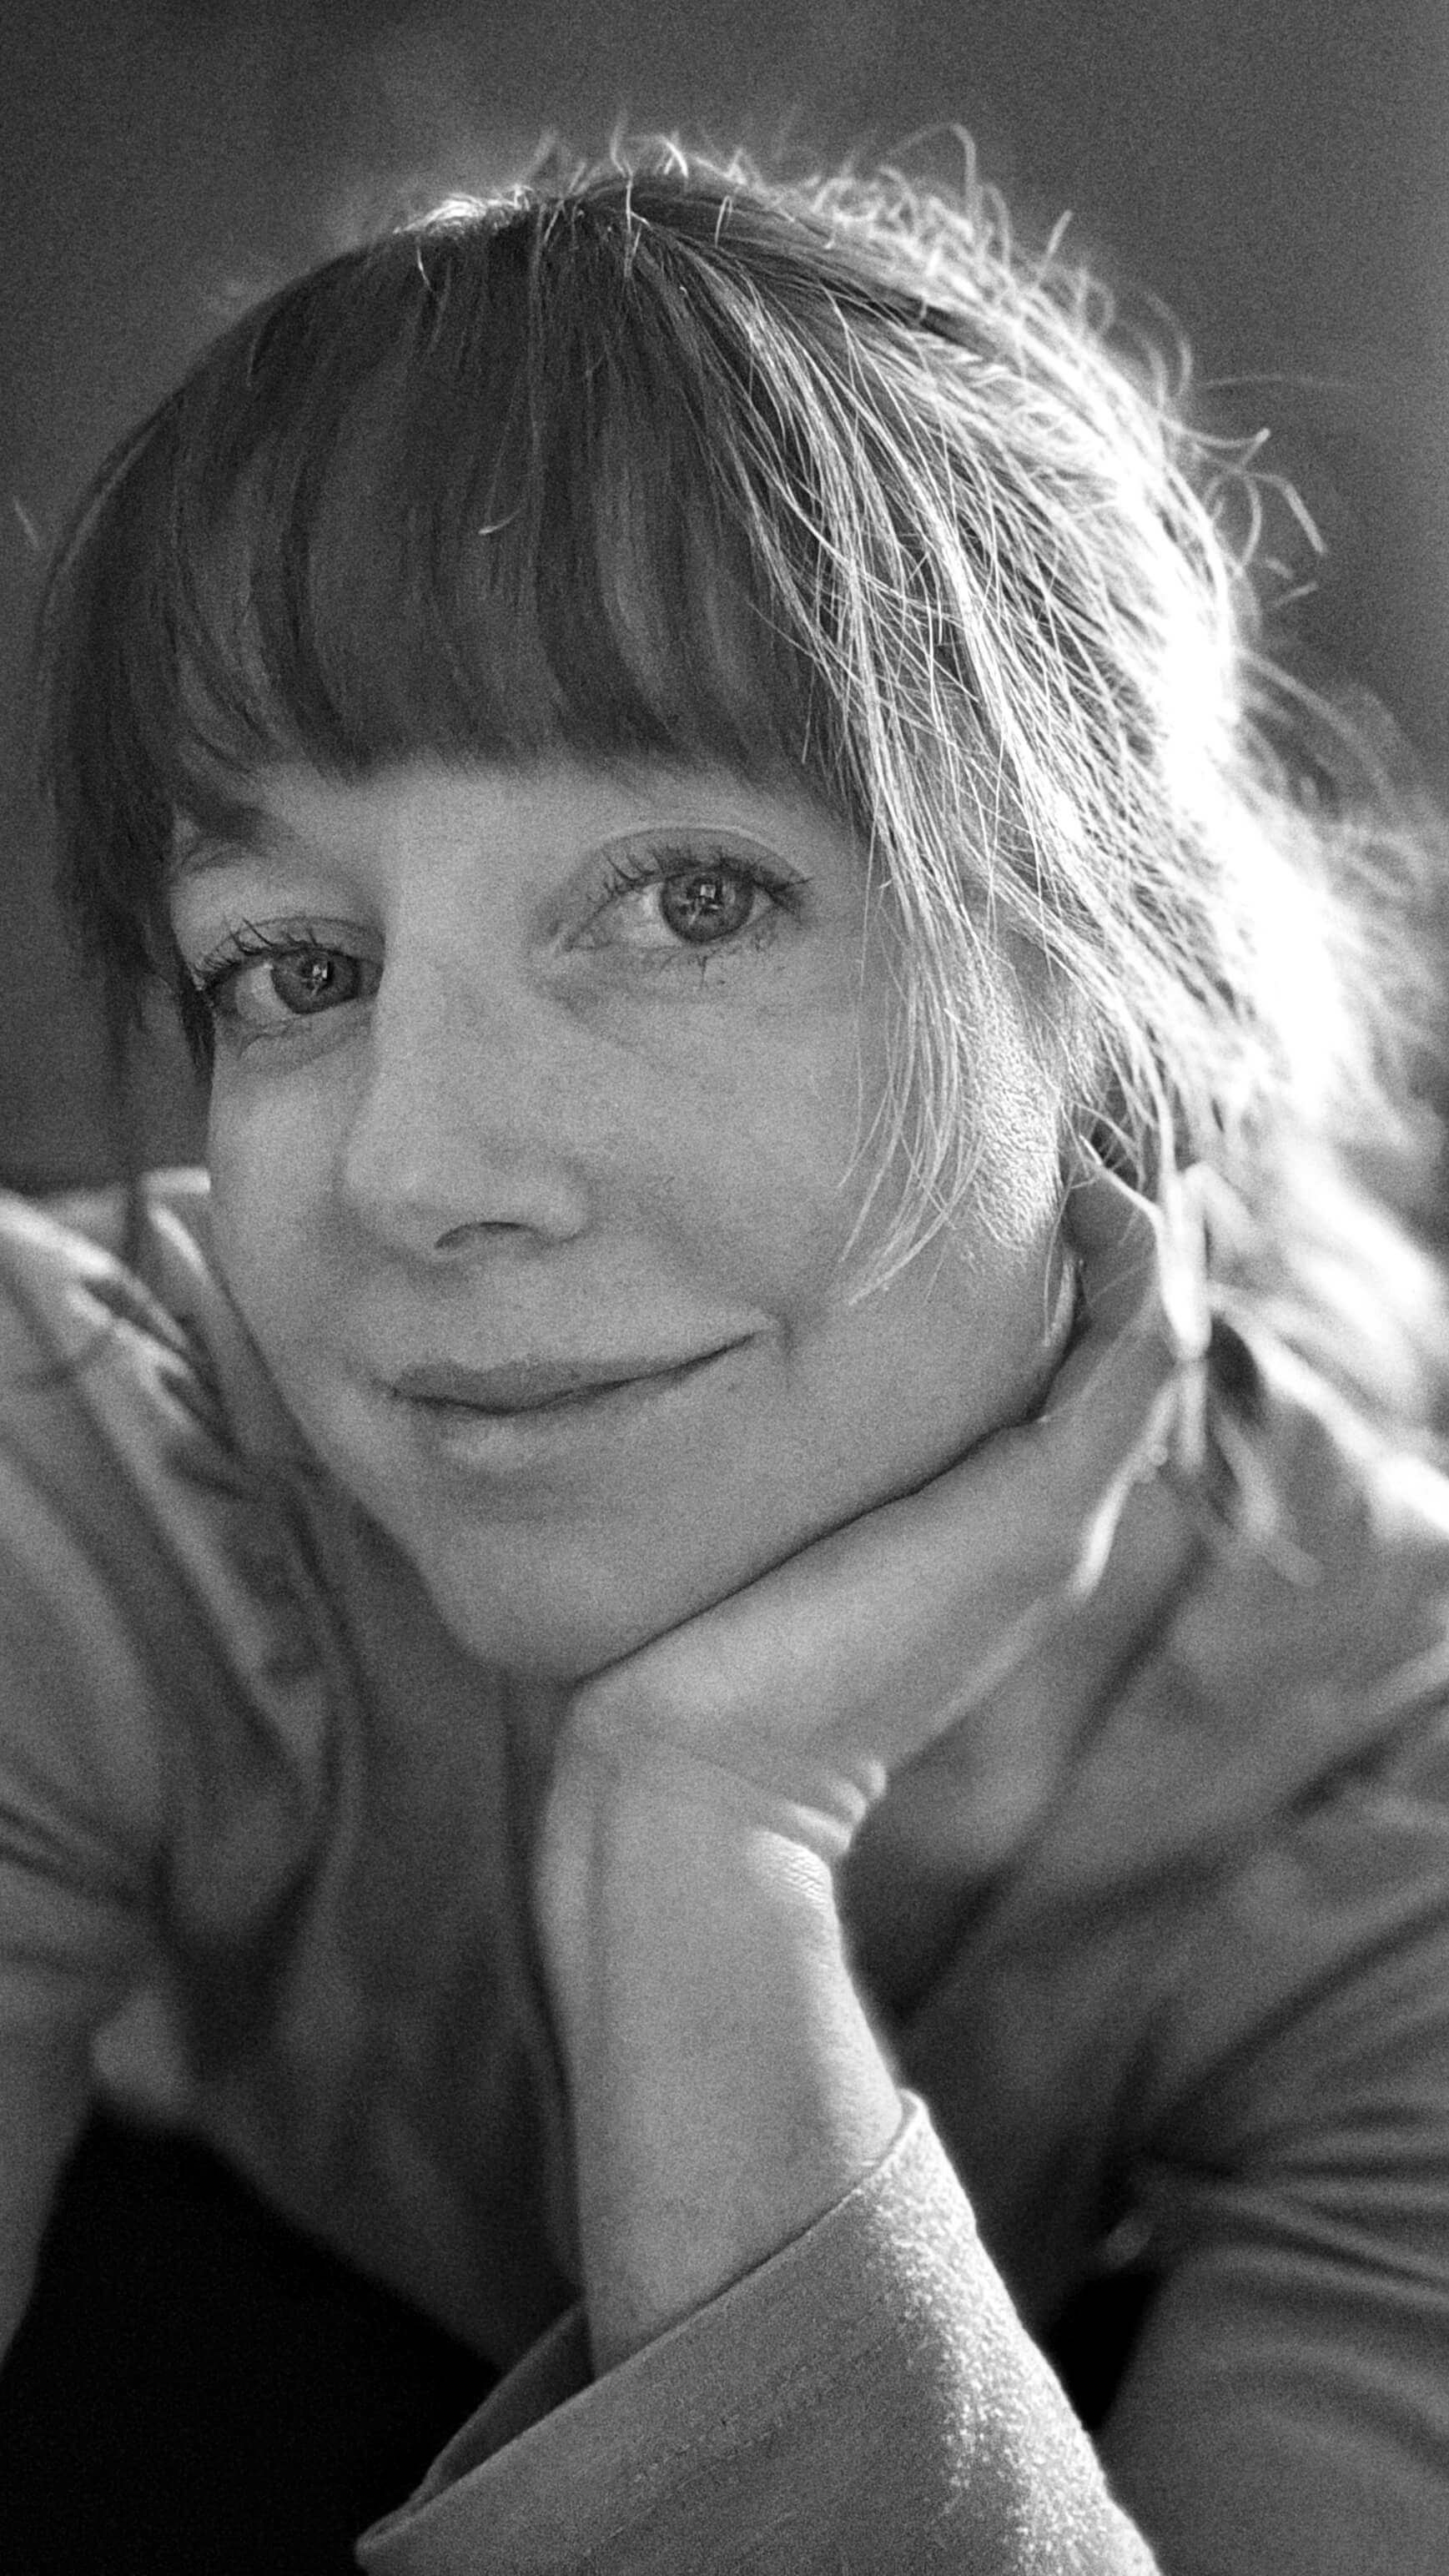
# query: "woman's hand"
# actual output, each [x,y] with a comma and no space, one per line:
[725,2081]
[794,1699]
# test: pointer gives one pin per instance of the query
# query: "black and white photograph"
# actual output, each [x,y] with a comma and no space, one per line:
[724,1288]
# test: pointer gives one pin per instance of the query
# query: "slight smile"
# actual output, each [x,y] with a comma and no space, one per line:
[528,1413]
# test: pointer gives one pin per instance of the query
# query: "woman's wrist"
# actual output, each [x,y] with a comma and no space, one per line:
[644,1844]
[624,1740]
[726,2087]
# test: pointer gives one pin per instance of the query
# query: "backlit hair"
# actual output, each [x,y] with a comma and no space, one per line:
[838,482]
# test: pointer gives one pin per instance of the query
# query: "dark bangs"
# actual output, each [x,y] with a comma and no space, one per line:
[481,489]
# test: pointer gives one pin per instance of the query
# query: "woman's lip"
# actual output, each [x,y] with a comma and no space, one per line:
[528,1386]
[580,1428]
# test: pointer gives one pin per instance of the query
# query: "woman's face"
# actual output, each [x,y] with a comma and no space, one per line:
[562,1083]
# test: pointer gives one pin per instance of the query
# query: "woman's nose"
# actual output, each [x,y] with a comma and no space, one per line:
[469,1115]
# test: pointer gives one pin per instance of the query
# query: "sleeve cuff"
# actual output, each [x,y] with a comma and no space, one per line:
[866,2399]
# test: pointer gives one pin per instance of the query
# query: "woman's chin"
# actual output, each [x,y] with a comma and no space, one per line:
[558,1635]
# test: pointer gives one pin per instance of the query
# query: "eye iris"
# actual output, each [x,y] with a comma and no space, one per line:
[313,973]
[710,903]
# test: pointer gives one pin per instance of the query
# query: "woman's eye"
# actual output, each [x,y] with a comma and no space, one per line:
[662,906]
[259,984]
[696,907]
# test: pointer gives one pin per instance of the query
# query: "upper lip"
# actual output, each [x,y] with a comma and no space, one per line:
[520,1386]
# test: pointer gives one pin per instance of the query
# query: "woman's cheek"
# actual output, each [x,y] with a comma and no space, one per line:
[268,1202]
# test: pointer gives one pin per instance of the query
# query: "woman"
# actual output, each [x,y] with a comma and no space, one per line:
[743,1622]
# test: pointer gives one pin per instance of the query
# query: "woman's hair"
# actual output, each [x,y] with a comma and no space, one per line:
[834,481]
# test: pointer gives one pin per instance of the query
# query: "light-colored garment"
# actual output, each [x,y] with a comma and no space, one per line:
[262,1864]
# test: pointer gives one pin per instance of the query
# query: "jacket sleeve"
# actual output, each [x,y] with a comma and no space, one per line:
[130,1619]
[865,2401]
[80,1784]
[1287,2406]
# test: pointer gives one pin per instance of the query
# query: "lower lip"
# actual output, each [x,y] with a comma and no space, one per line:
[468,1436]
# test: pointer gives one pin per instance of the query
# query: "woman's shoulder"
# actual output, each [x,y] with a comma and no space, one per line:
[149,1547]
[125,1329]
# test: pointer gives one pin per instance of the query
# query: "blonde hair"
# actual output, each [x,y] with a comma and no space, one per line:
[832,476]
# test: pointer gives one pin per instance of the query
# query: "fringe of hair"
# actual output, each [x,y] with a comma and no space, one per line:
[975,512]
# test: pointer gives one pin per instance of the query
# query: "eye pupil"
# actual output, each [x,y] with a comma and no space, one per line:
[313,972]
[710,903]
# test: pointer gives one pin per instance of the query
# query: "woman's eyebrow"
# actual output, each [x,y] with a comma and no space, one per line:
[231,829]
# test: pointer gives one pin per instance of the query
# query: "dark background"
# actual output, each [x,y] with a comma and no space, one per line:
[1277,170]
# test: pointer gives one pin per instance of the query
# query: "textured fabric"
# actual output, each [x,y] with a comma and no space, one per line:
[261,1853]
[786,2407]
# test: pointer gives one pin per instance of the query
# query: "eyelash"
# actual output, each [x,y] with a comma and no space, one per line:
[213,978]
[631,876]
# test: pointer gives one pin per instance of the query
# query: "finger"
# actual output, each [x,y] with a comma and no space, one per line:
[1113,1231]
[1143,1260]
[894,1625]
[889,1626]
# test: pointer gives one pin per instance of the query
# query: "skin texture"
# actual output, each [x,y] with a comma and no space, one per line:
[557,1129]
[552,1129]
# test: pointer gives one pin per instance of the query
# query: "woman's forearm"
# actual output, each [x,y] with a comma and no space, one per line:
[725,2083]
